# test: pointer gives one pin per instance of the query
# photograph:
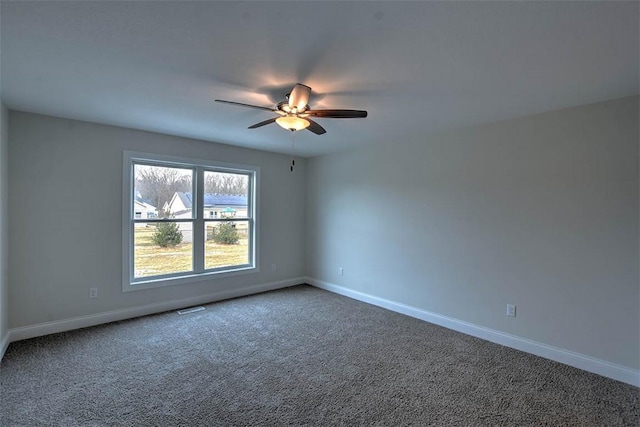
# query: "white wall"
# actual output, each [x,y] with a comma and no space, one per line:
[4,174]
[540,211]
[65,202]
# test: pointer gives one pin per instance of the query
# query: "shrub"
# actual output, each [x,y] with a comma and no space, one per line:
[167,234]
[226,233]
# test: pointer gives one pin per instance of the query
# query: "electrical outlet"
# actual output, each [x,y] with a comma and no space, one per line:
[274,267]
[341,271]
[93,292]
[511,310]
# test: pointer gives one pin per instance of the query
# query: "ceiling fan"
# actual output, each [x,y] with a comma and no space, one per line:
[294,113]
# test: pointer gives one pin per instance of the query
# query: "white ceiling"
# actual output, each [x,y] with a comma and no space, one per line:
[418,67]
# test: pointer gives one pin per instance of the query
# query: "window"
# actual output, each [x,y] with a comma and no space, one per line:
[179,239]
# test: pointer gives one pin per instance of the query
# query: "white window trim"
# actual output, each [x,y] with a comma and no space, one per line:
[127,225]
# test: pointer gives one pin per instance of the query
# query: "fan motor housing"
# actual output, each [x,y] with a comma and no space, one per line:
[285,108]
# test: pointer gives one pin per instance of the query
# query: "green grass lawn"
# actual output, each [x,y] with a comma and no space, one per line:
[153,260]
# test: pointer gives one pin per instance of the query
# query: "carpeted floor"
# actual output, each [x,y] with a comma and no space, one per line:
[297,356]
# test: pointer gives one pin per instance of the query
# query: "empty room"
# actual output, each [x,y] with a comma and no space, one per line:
[319,213]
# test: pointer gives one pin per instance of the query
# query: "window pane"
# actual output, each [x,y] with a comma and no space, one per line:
[162,192]
[226,195]
[226,244]
[162,248]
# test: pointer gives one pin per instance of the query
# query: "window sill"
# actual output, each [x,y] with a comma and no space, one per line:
[186,279]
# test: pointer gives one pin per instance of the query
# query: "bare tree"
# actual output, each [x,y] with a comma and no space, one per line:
[226,183]
[158,184]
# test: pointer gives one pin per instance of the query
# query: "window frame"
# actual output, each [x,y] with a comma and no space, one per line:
[199,220]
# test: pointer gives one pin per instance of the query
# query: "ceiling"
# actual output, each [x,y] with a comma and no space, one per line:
[416,67]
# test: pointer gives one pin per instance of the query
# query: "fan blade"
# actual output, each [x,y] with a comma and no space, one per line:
[337,114]
[240,104]
[299,96]
[315,127]
[266,122]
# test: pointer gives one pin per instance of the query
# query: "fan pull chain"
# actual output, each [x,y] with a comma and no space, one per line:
[293,150]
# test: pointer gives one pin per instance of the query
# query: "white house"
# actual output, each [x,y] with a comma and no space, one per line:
[143,210]
[216,206]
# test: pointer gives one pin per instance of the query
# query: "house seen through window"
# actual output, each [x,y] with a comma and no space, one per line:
[187,220]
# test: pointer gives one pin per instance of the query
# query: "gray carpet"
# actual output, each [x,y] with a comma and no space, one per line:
[298,356]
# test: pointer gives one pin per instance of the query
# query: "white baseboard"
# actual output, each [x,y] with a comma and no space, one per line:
[56,326]
[4,343]
[577,360]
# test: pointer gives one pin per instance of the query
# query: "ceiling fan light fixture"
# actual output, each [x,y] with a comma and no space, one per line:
[292,122]
[294,112]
